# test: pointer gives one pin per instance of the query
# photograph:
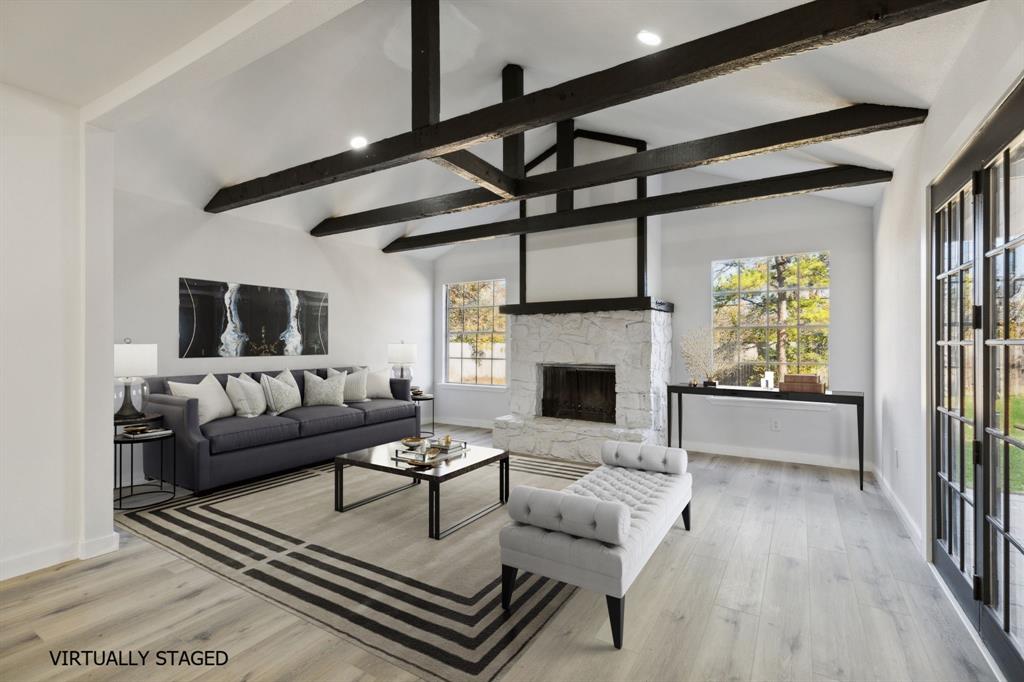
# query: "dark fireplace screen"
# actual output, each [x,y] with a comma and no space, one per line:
[584,392]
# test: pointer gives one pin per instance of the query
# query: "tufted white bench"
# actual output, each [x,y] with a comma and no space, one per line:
[600,531]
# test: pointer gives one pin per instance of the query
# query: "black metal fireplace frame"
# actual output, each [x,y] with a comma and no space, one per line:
[585,392]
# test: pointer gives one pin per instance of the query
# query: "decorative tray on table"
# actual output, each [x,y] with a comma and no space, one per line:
[430,453]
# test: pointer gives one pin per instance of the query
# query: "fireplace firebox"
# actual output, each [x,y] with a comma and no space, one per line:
[585,392]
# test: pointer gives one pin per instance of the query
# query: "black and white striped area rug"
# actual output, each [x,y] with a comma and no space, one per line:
[371,575]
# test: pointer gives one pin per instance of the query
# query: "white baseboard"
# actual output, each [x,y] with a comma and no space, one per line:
[773,455]
[476,423]
[37,559]
[57,554]
[916,536]
[97,546]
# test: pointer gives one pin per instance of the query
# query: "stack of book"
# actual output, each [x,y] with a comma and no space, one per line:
[145,435]
[802,383]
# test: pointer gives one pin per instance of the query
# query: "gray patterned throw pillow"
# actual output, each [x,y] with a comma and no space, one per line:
[282,392]
[330,391]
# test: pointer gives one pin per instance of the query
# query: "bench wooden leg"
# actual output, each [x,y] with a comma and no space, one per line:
[686,515]
[616,616]
[508,583]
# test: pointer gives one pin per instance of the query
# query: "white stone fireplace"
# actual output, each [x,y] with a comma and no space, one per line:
[638,343]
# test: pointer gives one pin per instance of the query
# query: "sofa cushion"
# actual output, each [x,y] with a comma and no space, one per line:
[236,433]
[315,419]
[383,410]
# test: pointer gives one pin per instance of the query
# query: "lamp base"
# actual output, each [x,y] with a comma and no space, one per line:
[127,411]
[401,372]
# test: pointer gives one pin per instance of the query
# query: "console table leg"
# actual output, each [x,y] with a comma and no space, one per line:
[860,442]
[679,429]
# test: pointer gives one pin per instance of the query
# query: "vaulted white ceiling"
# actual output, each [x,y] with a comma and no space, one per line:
[74,51]
[351,76]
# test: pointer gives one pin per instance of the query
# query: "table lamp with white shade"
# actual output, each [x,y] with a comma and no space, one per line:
[132,361]
[402,356]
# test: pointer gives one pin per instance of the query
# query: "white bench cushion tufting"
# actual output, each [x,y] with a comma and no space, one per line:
[655,501]
[643,456]
[584,516]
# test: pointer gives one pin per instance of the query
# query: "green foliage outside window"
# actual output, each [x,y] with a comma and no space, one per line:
[475,332]
[774,314]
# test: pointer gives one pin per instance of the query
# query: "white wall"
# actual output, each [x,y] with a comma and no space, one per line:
[603,256]
[814,434]
[498,258]
[46,436]
[986,69]
[375,299]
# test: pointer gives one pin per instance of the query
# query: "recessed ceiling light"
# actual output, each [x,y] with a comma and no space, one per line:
[648,38]
[357,142]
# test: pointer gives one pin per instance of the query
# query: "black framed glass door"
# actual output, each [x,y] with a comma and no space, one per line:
[978,382]
[957,411]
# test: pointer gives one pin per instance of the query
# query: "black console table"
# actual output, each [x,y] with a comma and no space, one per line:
[834,397]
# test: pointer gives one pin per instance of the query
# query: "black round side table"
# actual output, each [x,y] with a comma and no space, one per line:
[426,398]
[142,489]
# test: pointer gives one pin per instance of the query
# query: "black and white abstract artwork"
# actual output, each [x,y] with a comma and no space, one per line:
[230,320]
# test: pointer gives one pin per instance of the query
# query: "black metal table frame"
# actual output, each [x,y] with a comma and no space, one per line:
[434,530]
[153,488]
[854,398]
[433,414]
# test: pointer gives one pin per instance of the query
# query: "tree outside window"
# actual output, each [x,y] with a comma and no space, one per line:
[774,314]
[475,333]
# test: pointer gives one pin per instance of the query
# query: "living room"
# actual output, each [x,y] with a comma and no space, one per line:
[704,292]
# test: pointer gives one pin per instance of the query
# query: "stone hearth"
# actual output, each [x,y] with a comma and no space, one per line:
[637,342]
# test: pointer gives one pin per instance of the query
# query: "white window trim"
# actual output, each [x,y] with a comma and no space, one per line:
[444,383]
[797,289]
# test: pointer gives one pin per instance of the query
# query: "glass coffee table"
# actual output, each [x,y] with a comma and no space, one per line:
[382,458]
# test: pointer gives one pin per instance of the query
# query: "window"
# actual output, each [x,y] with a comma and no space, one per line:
[475,333]
[772,314]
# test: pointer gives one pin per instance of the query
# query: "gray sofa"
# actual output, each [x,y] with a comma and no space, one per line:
[233,449]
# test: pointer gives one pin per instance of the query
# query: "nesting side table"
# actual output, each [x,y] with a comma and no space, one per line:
[155,491]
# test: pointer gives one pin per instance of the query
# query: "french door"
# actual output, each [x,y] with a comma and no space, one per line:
[978,383]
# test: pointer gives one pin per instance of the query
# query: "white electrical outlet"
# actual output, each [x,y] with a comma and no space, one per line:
[774,424]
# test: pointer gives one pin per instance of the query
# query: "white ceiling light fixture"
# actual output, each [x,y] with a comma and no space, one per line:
[649,38]
[357,142]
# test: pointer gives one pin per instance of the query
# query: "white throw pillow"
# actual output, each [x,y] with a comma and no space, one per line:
[282,392]
[329,391]
[213,401]
[378,384]
[355,386]
[247,396]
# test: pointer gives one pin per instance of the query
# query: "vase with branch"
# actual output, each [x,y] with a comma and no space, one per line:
[705,360]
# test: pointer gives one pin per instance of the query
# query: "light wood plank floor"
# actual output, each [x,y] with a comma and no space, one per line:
[790,573]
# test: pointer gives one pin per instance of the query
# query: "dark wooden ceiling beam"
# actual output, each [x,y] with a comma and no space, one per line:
[798,29]
[468,165]
[858,119]
[426,100]
[611,138]
[513,147]
[426,63]
[565,158]
[707,197]
[540,158]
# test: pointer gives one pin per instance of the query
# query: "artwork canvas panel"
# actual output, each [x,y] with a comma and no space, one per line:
[230,320]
